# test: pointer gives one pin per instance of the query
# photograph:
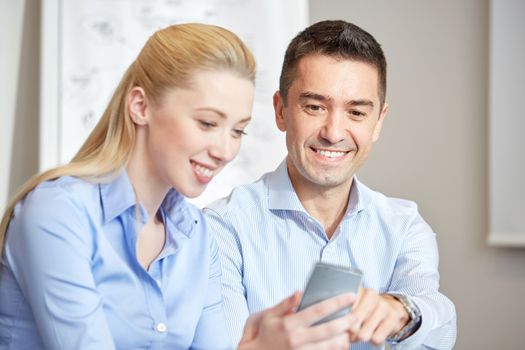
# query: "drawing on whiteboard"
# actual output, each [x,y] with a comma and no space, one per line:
[102,29]
[101,38]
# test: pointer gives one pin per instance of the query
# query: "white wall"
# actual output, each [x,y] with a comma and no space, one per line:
[19,60]
[434,150]
[506,122]
[10,39]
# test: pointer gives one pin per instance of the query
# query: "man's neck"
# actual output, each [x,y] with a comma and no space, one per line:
[328,205]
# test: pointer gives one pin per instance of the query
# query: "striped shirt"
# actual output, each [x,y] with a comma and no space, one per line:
[268,245]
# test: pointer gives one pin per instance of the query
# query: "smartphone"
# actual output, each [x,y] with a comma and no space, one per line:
[327,281]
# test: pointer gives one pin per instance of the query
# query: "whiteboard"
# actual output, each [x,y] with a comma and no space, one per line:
[88,44]
[507,123]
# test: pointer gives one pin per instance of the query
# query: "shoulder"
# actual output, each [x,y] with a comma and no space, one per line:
[62,199]
[55,211]
[242,199]
[62,193]
[386,204]
[393,214]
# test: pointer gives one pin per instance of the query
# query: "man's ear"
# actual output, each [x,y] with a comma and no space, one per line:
[137,106]
[278,107]
[379,125]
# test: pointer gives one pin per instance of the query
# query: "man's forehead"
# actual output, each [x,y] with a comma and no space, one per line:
[327,75]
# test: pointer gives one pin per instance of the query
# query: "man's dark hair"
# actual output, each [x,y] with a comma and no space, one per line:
[338,39]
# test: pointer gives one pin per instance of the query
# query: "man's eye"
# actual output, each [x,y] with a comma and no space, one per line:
[357,114]
[314,108]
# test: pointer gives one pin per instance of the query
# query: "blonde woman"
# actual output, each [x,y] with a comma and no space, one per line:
[105,253]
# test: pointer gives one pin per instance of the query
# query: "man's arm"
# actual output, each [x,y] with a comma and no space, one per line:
[211,331]
[231,258]
[416,276]
[413,290]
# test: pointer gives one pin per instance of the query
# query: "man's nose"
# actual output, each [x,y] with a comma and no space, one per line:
[333,129]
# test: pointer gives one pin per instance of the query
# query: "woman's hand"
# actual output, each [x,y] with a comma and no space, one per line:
[280,327]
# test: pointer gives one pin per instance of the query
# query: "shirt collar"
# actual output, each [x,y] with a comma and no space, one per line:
[179,213]
[117,196]
[282,196]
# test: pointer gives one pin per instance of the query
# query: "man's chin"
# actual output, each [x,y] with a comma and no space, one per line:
[329,181]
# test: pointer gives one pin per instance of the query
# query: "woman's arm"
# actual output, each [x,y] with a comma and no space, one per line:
[49,249]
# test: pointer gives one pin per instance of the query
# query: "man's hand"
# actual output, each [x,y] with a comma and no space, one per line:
[281,328]
[377,317]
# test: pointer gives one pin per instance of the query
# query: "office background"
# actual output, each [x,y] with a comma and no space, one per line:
[433,149]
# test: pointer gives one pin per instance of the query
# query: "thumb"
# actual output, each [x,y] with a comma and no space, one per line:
[253,324]
[251,328]
[286,306]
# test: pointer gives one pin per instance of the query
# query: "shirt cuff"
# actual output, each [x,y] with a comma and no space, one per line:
[415,340]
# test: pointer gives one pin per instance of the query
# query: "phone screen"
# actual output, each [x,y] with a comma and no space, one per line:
[327,281]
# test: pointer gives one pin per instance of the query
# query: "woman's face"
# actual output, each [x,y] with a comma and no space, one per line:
[195,131]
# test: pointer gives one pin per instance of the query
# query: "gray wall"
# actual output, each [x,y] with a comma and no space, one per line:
[433,150]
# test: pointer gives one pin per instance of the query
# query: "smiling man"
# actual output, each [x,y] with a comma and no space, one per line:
[331,105]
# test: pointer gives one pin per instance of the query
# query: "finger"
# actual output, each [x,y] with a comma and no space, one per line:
[253,324]
[317,312]
[285,307]
[250,328]
[365,304]
[327,330]
[371,323]
[383,331]
[340,341]
[359,297]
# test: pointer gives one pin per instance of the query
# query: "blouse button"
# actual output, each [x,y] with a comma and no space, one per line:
[161,327]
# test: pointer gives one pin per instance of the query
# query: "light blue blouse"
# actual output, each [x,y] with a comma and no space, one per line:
[70,278]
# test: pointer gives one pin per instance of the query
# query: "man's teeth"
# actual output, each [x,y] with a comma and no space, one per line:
[203,171]
[330,154]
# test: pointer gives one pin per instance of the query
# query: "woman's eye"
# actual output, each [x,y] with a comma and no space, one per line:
[206,124]
[238,133]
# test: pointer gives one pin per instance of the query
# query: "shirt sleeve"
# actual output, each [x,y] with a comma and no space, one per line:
[233,291]
[211,332]
[49,247]
[416,276]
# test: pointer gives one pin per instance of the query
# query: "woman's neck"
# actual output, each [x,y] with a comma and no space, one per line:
[150,191]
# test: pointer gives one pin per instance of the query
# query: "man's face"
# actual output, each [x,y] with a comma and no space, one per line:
[332,117]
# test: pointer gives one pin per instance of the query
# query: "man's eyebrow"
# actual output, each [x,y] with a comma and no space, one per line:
[314,96]
[323,98]
[363,102]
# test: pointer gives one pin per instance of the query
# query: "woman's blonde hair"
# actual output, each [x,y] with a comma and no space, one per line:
[168,59]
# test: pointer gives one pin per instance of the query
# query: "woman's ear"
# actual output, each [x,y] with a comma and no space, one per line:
[137,106]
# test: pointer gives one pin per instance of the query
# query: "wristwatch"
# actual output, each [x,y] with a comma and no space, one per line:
[415,318]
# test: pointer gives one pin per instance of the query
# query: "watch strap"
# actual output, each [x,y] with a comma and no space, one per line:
[414,314]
